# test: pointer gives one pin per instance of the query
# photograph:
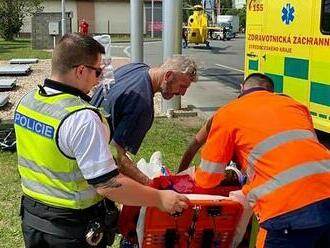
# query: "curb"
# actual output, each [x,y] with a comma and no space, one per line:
[128,41]
[178,113]
[198,112]
[201,114]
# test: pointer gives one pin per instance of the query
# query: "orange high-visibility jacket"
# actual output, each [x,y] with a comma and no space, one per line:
[273,139]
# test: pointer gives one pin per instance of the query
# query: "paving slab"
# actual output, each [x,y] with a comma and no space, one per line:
[8,83]
[4,98]
[23,61]
[15,69]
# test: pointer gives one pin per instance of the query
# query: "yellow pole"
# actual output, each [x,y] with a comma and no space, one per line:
[254,232]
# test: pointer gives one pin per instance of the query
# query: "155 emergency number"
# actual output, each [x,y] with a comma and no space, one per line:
[255,6]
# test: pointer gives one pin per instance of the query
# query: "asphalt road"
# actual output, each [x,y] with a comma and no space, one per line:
[224,61]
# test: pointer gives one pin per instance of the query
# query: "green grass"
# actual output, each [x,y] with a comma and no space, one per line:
[10,191]
[171,137]
[20,48]
[126,38]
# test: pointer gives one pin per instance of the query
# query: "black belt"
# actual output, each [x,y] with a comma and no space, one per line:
[29,203]
[62,222]
[51,228]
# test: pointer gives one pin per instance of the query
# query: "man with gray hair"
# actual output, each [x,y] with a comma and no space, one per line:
[130,106]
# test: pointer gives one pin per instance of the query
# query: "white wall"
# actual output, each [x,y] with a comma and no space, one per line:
[117,13]
[54,6]
[238,4]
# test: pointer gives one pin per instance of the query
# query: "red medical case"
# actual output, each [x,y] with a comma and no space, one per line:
[159,226]
[204,224]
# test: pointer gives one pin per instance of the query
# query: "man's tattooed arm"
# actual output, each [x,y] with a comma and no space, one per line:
[127,167]
[110,184]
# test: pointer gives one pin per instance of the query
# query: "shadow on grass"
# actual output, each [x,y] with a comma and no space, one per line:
[9,46]
[20,48]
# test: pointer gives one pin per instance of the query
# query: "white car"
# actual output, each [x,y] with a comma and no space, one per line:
[224,34]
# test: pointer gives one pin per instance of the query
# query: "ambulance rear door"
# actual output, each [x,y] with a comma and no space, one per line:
[320,67]
[286,58]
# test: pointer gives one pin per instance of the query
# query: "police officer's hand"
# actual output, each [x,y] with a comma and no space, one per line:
[172,202]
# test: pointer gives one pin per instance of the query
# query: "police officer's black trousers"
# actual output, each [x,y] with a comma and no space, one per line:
[47,227]
[36,239]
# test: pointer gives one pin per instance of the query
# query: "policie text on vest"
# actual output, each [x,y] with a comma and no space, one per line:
[34,125]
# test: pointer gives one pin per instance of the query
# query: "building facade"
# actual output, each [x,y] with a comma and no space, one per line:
[238,4]
[103,16]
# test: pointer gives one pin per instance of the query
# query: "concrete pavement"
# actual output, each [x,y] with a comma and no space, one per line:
[119,61]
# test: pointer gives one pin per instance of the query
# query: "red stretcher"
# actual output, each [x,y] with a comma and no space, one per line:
[206,223]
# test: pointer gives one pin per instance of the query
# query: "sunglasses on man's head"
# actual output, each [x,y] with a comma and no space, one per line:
[98,71]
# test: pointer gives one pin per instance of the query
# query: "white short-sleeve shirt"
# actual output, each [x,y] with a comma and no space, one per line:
[85,137]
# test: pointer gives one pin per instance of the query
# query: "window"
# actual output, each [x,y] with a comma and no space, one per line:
[325,17]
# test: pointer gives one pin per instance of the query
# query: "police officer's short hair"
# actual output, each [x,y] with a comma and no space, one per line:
[75,49]
[183,64]
[259,80]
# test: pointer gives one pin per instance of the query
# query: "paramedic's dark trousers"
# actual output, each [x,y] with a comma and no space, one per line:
[318,237]
[66,228]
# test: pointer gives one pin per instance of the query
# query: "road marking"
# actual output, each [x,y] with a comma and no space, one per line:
[117,46]
[126,48]
[228,67]
[152,42]
[118,57]
[127,52]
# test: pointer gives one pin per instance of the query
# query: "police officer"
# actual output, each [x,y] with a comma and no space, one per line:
[65,166]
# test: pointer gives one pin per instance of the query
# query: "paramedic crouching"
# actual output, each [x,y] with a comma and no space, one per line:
[65,166]
[272,137]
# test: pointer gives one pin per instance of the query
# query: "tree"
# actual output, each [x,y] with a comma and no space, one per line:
[187,8]
[239,12]
[12,13]
[225,5]
[242,17]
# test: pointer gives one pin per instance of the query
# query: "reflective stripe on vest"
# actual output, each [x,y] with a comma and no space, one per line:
[212,167]
[273,142]
[211,173]
[57,111]
[84,195]
[50,177]
[63,176]
[287,177]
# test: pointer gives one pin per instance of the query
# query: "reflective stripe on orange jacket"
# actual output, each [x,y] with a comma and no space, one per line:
[273,139]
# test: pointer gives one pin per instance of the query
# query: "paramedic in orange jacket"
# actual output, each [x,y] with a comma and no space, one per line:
[272,137]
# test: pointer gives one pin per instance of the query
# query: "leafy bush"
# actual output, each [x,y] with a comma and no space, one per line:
[12,13]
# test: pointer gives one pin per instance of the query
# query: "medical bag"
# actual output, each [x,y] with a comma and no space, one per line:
[215,220]
[206,223]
